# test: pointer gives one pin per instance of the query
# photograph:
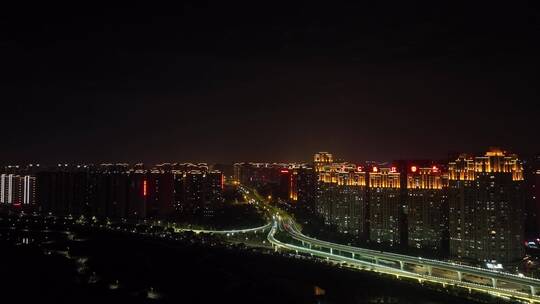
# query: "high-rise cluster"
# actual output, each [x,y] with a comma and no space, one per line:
[474,205]
[279,180]
[130,192]
[17,190]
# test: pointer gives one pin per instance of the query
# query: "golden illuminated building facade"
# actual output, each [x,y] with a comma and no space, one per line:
[495,161]
[385,206]
[427,218]
[343,174]
[321,159]
[341,197]
[293,191]
[486,207]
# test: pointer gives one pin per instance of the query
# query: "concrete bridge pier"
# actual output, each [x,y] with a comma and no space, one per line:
[377,261]
[533,290]
[430,270]
[460,276]
[352,254]
[331,251]
[494,282]
[401,265]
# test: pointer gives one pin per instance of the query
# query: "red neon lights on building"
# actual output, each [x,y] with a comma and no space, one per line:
[413,168]
[375,169]
[284,171]
[144,188]
[393,169]
[291,187]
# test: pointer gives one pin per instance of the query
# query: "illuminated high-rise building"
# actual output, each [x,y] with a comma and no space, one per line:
[237,171]
[427,216]
[159,193]
[321,159]
[486,207]
[138,192]
[287,185]
[28,190]
[197,191]
[193,189]
[341,198]
[6,188]
[214,184]
[18,185]
[385,206]
[17,190]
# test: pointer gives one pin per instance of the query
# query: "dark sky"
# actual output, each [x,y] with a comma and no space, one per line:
[218,82]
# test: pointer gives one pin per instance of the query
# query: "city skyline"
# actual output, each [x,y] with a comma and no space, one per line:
[259,152]
[443,158]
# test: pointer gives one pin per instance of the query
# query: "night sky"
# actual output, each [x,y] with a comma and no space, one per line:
[267,82]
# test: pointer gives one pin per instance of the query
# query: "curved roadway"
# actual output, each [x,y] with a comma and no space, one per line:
[261,228]
[289,226]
